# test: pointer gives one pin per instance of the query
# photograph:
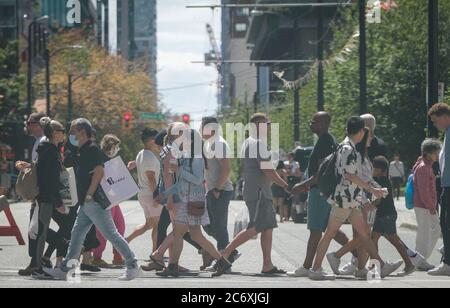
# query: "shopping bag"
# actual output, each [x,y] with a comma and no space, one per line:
[118,185]
[68,189]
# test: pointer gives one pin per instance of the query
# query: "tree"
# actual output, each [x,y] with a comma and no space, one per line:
[11,83]
[117,87]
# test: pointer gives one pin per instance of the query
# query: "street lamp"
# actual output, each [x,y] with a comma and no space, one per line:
[71,80]
[31,54]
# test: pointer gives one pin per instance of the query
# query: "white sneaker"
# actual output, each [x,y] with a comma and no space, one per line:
[321,275]
[388,269]
[131,274]
[397,264]
[56,273]
[425,267]
[442,270]
[350,268]
[335,262]
[361,274]
[299,273]
[417,260]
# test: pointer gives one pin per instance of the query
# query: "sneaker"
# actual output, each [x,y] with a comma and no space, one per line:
[361,273]
[222,266]
[27,272]
[425,267]
[213,269]
[442,270]
[47,263]
[100,263]
[417,260]
[398,264]
[407,271]
[299,273]
[321,275]
[89,268]
[170,271]
[335,262]
[41,275]
[350,268]
[388,269]
[56,273]
[131,273]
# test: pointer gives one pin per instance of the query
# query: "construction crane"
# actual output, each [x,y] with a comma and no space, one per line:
[215,57]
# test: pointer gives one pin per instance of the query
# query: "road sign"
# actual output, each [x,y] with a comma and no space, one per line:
[145,116]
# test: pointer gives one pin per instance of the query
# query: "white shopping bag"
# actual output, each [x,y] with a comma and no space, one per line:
[118,184]
[242,220]
[68,190]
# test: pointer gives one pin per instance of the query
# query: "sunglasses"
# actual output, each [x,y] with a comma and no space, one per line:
[61,130]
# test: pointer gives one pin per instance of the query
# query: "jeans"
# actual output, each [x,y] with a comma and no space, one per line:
[445,223]
[93,214]
[218,215]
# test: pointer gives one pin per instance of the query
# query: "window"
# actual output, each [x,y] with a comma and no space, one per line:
[241,12]
[241,27]
[7,16]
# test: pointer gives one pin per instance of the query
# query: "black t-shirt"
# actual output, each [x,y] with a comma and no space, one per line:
[377,148]
[387,205]
[90,158]
[324,147]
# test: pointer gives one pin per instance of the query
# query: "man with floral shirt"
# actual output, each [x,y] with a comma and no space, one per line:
[347,201]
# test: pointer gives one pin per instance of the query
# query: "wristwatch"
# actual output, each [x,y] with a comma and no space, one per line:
[89,198]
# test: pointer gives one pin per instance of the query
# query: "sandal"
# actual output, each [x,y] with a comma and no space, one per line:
[158,262]
[274,271]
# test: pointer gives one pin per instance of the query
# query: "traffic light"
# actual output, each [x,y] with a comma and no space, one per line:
[127,121]
[186,118]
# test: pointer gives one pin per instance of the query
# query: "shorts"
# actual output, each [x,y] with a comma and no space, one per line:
[262,215]
[386,225]
[146,202]
[318,211]
[345,214]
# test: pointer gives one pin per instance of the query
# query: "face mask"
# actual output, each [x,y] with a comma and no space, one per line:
[74,141]
[114,151]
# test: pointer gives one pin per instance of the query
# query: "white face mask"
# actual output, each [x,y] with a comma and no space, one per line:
[114,151]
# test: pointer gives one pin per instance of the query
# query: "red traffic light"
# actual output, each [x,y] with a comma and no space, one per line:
[186,118]
[127,117]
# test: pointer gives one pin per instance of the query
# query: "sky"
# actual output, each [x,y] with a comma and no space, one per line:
[182,38]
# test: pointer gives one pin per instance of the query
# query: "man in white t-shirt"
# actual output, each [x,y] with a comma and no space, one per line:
[148,170]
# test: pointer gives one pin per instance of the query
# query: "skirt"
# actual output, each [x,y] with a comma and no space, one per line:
[183,217]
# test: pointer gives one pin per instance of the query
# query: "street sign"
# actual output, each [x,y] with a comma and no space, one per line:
[441,92]
[145,116]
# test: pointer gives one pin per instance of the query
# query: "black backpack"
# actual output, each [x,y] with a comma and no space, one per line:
[327,177]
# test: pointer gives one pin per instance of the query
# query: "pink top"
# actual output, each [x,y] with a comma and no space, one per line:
[425,195]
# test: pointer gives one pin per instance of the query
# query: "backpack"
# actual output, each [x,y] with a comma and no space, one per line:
[409,193]
[27,183]
[327,177]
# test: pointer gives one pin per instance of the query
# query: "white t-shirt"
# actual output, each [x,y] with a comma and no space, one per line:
[147,161]
[34,154]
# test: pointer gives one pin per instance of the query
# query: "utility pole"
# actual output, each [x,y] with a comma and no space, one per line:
[297,89]
[320,49]
[362,58]
[433,61]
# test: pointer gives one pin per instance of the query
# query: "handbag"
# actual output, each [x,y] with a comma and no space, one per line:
[27,183]
[195,208]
